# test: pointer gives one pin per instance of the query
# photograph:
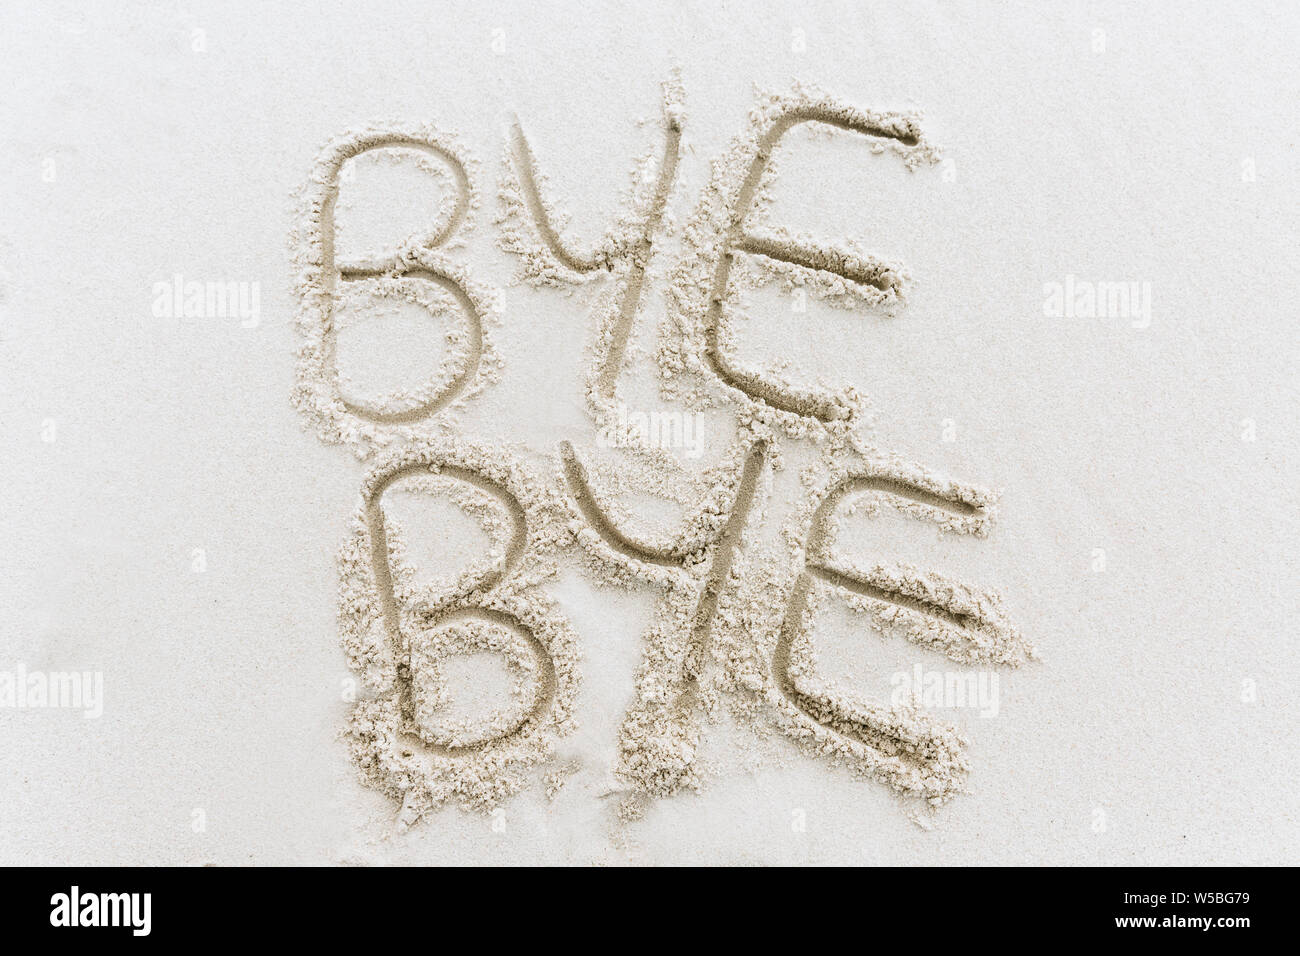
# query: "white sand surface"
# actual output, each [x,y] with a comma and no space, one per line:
[171,521]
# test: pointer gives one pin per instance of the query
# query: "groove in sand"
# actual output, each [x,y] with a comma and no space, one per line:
[719,572]
[638,255]
[452,390]
[374,517]
[874,731]
[736,240]
[542,698]
[333,273]
[612,361]
[724,545]
[857,484]
[821,709]
[580,488]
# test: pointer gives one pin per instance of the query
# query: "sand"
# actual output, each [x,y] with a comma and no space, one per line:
[494,435]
